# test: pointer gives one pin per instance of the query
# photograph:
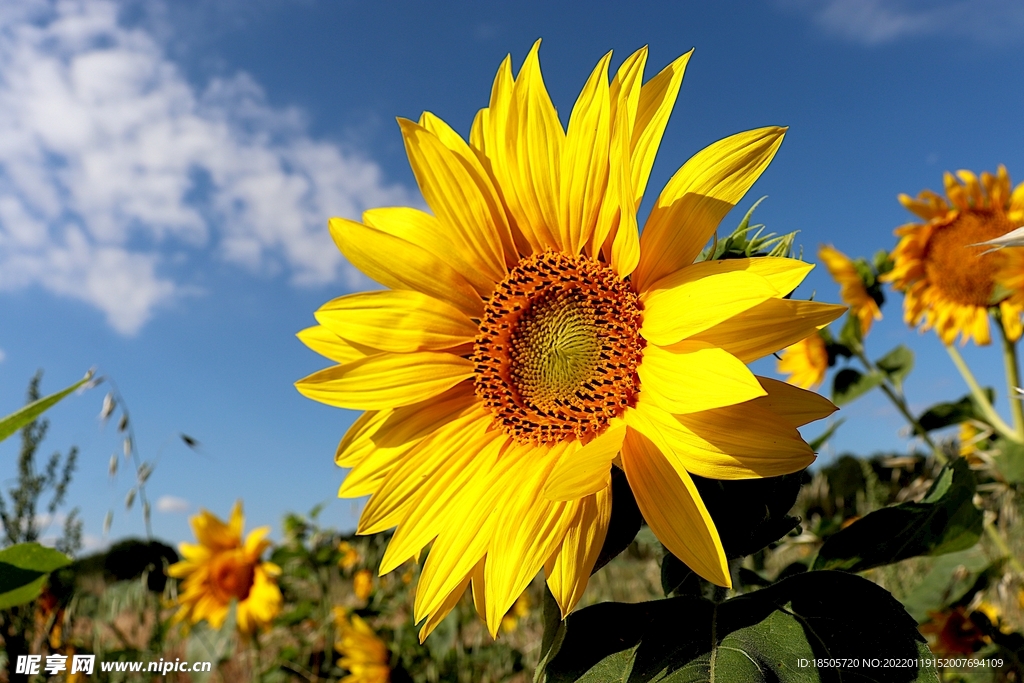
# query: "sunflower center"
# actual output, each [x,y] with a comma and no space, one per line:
[961,272]
[232,575]
[558,348]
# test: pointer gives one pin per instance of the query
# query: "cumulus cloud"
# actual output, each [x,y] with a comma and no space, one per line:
[873,22]
[172,504]
[115,170]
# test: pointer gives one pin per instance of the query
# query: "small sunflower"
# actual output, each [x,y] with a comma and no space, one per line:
[806,362]
[221,568]
[363,653]
[851,287]
[949,279]
[532,338]
[362,584]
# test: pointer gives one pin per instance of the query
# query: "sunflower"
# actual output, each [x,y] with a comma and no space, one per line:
[851,287]
[363,653]
[531,338]
[950,280]
[806,362]
[221,568]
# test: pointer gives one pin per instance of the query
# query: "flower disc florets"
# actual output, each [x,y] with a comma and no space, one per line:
[558,348]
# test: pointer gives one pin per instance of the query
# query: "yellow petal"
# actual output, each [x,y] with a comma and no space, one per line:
[535,150]
[397,320]
[388,505]
[672,507]
[462,200]
[794,405]
[584,167]
[330,345]
[737,442]
[617,219]
[784,274]
[357,444]
[697,197]
[768,327]
[400,264]
[690,301]
[657,99]
[445,608]
[426,232]
[387,380]
[569,569]
[587,470]
[531,529]
[695,376]
[625,88]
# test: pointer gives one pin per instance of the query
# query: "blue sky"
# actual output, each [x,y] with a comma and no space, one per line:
[167,170]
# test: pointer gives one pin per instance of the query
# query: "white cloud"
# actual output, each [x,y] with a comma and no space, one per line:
[874,22]
[115,172]
[172,504]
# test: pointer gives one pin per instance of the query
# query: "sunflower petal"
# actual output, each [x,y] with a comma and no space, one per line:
[657,99]
[625,88]
[400,264]
[330,345]
[386,380]
[698,196]
[694,302]
[695,376]
[587,470]
[672,507]
[584,172]
[768,327]
[794,405]
[443,610]
[397,320]
[569,568]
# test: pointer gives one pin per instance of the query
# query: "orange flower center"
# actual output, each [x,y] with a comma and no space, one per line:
[232,575]
[558,348]
[961,272]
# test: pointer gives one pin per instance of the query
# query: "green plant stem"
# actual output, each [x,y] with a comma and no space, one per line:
[898,400]
[1012,381]
[997,538]
[979,396]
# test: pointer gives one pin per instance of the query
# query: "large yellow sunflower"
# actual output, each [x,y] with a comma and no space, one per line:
[951,282]
[531,338]
[221,568]
[851,288]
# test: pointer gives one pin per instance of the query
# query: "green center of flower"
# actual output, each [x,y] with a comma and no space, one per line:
[558,348]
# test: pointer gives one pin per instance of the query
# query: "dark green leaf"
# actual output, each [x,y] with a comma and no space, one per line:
[23,569]
[848,384]
[943,415]
[821,440]
[625,521]
[757,637]
[947,581]
[897,364]
[943,522]
[20,418]
[1009,460]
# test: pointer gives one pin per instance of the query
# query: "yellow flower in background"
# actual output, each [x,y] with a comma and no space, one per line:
[949,280]
[519,611]
[951,632]
[363,653]
[806,362]
[362,584]
[221,568]
[532,337]
[851,287]
[350,556]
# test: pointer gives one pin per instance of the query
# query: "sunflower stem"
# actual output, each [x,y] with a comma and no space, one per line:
[898,400]
[1012,381]
[980,398]
[997,538]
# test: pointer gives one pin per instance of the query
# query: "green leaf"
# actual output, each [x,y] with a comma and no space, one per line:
[943,522]
[1010,461]
[826,435]
[23,570]
[849,384]
[20,418]
[851,335]
[206,644]
[756,637]
[897,364]
[943,415]
[946,582]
